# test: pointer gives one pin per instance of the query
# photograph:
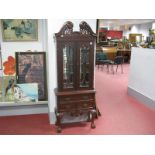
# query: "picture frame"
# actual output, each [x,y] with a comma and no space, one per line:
[31,68]
[19,30]
[22,92]
[7,88]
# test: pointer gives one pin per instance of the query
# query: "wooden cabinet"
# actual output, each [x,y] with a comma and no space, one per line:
[75,72]
[126,53]
[135,37]
[110,51]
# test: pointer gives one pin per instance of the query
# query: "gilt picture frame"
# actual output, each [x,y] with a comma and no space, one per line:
[31,68]
[19,30]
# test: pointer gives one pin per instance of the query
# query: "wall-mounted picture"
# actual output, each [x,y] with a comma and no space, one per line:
[31,68]
[9,82]
[27,92]
[20,29]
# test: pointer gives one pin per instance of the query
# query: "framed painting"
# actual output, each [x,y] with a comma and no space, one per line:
[8,88]
[20,29]
[31,68]
[22,92]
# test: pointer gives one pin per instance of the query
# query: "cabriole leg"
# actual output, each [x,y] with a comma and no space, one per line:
[93,115]
[58,121]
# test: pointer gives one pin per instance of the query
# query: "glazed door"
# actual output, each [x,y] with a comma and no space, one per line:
[66,66]
[85,61]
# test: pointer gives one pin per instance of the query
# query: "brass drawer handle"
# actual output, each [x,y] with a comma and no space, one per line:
[68,106]
[85,97]
[85,104]
[67,99]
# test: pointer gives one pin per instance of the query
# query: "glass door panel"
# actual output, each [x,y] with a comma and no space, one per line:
[84,67]
[68,71]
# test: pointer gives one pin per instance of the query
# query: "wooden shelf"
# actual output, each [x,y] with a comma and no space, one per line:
[2,104]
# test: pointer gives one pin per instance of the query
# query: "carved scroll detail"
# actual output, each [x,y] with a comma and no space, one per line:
[67,28]
[85,28]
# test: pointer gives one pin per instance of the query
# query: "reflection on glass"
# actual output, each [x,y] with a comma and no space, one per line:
[84,67]
[67,67]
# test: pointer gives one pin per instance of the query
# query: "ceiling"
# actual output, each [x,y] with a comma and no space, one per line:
[122,22]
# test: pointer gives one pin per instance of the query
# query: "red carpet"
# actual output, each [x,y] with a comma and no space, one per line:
[121,114]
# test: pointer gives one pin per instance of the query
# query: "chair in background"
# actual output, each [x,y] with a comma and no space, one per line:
[101,59]
[118,61]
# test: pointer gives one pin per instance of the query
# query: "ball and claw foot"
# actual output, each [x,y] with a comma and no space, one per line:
[58,129]
[93,126]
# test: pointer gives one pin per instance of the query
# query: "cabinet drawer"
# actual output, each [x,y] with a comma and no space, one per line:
[78,105]
[72,98]
[86,104]
[66,107]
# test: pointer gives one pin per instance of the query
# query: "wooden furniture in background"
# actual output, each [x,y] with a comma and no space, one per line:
[110,51]
[75,72]
[126,53]
[135,37]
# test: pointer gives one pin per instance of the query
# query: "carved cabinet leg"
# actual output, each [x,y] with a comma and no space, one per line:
[98,113]
[58,121]
[89,116]
[93,115]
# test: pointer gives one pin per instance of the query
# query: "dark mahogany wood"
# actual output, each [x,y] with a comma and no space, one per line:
[75,100]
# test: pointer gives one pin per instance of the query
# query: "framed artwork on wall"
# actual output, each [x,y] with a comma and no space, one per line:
[20,29]
[8,88]
[31,68]
[22,92]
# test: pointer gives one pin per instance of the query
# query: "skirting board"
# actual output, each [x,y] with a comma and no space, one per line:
[145,100]
[23,110]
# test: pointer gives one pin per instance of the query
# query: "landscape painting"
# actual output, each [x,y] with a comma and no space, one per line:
[20,29]
[26,92]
